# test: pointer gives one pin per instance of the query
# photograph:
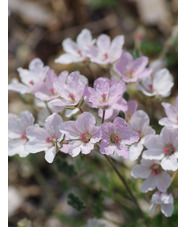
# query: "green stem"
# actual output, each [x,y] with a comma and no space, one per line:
[126,186]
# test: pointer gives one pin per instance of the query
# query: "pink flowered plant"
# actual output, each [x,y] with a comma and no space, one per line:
[99,117]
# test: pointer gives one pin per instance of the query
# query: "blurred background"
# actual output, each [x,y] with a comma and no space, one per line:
[70,191]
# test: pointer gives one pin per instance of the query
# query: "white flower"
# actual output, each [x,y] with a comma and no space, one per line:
[139,122]
[76,51]
[155,177]
[166,202]
[70,88]
[163,147]
[45,139]
[83,134]
[159,83]
[106,52]
[172,115]
[17,132]
[31,79]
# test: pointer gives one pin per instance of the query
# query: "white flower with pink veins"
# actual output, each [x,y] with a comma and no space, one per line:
[163,147]
[70,88]
[139,122]
[157,84]
[32,79]
[82,133]
[76,51]
[165,201]
[172,115]
[154,176]
[17,133]
[47,139]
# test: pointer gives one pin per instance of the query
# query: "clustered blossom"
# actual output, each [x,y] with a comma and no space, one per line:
[58,97]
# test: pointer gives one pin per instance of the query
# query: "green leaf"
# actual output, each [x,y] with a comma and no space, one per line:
[75,202]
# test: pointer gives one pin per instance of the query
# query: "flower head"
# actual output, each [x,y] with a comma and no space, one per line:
[17,126]
[76,51]
[116,137]
[106,52]
[158,84]
[131,70]
[172,115]
[82,133]
[165,201]
[47,92]
[163,147]
[139,122]
[47,138]
[31,79]
[70,88]
[105,92]
[151,170]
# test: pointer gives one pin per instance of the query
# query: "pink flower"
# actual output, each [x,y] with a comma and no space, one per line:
[163,147]
[105,93]
[139,122]
[165,201]
[132,107]
[172,115]
[116,137]
[131,70]
[159,84]
[17,133]
[47,92]
[31,79]
[70,88]
[76,51]
[47,138]
[83,134]
[106,52]
[155,177]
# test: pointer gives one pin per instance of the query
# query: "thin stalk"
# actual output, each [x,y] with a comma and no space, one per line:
[126,185]
[81,110]
[103,118]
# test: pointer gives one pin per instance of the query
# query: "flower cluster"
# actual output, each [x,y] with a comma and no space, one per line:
[131,137]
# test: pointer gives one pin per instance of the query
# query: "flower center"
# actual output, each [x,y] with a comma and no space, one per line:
[114,139]
[169,149]
[104,96]
[130,73]
[140,134]
[79,52]
[52,90]
[51,140]
[23,136]
[150,87]
[156,169]
[71,96]
[105,55]
[85,137]
[31,82]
